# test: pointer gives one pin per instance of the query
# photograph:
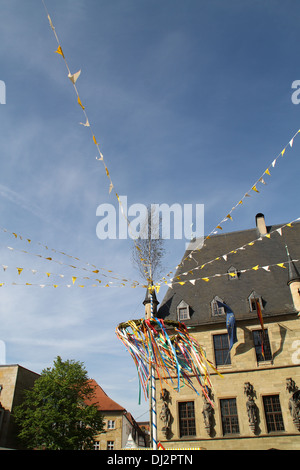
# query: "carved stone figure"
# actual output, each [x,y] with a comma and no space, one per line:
[252,410]
[294,401]
[165,415]
[208,411]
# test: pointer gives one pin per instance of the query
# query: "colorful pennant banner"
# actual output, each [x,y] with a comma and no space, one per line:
[266,268]
[235,250]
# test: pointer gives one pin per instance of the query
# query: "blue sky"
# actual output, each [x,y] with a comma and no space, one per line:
[190,102]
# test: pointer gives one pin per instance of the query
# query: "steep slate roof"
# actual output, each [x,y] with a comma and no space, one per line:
[271,286]
[102,400]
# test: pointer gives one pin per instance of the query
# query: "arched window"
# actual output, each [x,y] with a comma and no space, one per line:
[216,310]
[253,297]
[183,311]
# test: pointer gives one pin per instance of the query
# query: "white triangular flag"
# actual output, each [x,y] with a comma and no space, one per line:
[4,267]
[273,163]
[291,142]
[266,268]
[86,124]
[279,230]
[192,281]
[74,77]
[225,257]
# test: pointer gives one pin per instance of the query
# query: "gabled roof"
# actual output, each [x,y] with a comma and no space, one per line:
[270,285]
[102,400]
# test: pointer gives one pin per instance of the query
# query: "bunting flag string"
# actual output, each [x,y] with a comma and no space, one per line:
[176,359]
[235,250]
[94,271]
[109,284]
[253,188]
[73,78]
[109,272]
[117,282]
[241,271]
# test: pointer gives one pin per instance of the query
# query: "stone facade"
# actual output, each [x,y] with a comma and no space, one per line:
[14,379]
[256,401]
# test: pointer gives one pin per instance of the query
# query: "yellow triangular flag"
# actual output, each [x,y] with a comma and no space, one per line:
[74,279]
[59,51]
[241,202]
[48,274]
[79,102]
[255,268]
[19,270]
[267,172]
[255,189]
[95,141]
[206,279]
[282,152]
[218,226]
[281,265]
[107,172]
[229,216]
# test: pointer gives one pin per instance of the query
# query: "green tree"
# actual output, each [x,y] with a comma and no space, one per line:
[57,413]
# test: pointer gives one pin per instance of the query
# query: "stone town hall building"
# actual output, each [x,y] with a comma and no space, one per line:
[256,401]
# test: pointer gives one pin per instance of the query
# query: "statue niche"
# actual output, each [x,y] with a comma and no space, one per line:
[294,402]
[252,410]
[165,414]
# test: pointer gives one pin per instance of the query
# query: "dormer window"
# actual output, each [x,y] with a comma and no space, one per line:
[216,311]
[232,273]
[253,297]
[183,311]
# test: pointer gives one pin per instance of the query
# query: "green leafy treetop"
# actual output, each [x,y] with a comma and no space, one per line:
[55,415]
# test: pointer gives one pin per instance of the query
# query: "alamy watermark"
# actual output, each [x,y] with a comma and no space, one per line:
[2,92]
[178,222]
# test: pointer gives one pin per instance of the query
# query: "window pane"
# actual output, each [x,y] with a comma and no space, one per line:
[187,423]
[221,347]
[230,422]
[273,413]
[262,353]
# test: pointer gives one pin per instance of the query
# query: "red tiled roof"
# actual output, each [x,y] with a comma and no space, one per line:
[102,400]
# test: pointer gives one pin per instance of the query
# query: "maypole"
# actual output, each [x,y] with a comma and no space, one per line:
[153,387]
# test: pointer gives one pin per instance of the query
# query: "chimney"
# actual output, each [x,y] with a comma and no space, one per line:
[261,224]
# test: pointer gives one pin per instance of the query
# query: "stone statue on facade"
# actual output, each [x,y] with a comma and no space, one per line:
[294,401]
[252,410]
[165,414]
[208,411]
